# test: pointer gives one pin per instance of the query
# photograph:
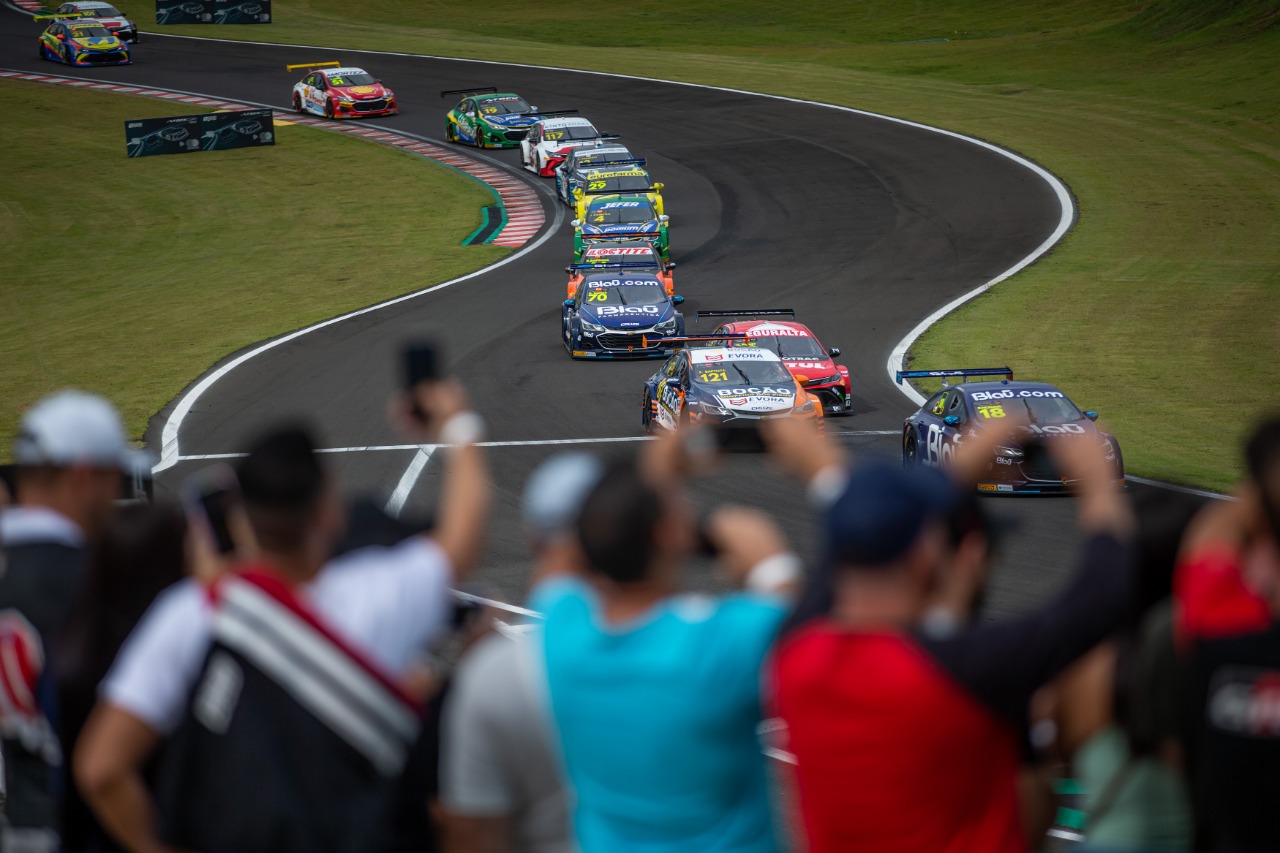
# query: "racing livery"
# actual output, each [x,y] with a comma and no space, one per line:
[618,313]
[727,386]
[550,140]
[487,118]
[103,13]
[601,154]
[628,254]
[615,180]
[799,348]
[77,41]
[620,217]
[338,92]
[1043,413]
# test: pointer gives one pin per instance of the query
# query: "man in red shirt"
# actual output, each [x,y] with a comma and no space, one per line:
[907,741]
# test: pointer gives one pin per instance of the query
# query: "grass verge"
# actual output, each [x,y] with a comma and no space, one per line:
[129,277]
[1160,309]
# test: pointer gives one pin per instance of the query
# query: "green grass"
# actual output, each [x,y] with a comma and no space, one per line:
[130,277]
[1161,309]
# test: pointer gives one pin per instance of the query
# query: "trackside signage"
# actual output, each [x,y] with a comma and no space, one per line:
[185,134]
[213,11]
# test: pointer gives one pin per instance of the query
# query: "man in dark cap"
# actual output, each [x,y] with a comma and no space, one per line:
[884,717]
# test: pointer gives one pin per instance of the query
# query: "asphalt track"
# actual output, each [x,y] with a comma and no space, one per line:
[862,226]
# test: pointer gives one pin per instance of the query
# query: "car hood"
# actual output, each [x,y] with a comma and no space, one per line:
[627,316]
[755,399]
[362,93]
[622,228]
[511,120]
[98,43]
[812,368]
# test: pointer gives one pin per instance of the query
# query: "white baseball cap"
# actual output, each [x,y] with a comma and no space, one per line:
[74,428]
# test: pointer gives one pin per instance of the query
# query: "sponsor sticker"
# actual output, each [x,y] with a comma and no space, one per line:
[1007,394]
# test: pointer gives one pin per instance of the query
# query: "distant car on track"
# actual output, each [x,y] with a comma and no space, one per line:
[1042,412]
[549,141]
[487,118]
[800,350]
[341,92]
[617,313]
[104,13]
[633,255]
[723,385]
[568,174]
[625,216]
[76,41]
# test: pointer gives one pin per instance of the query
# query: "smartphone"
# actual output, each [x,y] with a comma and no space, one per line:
[744,435]
[421,364]
[209,498]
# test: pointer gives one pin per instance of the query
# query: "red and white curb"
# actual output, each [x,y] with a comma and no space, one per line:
[523,209]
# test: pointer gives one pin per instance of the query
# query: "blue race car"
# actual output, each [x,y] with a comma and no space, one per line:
[620,314]
[1042,412]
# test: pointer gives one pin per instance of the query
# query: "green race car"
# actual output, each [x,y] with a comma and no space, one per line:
[625,216]
[487,118]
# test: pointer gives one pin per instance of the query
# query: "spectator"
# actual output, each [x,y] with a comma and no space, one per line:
[883,717]
[656,694]
[140,552]
[1228,594]
[267,756]
[501,782]
[70,454]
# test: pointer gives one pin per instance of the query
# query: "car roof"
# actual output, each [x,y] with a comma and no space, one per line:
[91,4]
[497,96]
[342,72]
[709,355]
[775,328]
[614,169]
[970,387]
[570,121]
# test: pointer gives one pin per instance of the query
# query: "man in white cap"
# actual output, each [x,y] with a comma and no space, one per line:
[500,781]
[70,453]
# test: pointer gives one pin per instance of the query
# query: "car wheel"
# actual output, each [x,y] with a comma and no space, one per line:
[910,452]
[43,53]
[450,135]
[328,108]
[646,419]
[297,103]
[66,55]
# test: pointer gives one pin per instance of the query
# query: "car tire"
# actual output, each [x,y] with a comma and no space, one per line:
[66,56]
[43,53]
[297,103]
[328,109]
[450,135]
[646,420]
[910,451]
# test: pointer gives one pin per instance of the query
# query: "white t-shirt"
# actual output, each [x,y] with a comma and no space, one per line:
[388,603]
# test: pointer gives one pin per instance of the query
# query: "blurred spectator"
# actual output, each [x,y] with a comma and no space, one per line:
[70,453]
[287,730]
[1116,708]
[656,694]
[501,782]
[140,552]
[883,717]
[1228,595]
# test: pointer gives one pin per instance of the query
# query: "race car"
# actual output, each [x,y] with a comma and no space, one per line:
[799,349]
[723,385]
[568,174]
[487,118]
[620,217]
[617,313]
[1041,411]
[334,91]
[76,41]
[550,140]
[615,180]
[103,13]
[625,254]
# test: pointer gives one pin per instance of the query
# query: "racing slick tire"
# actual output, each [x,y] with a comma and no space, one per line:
[43,54]
[297,103]
[328,108]
[450,135]
[66,56]
[646,420]
[910,451]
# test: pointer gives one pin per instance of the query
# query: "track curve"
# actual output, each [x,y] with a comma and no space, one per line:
[862,225]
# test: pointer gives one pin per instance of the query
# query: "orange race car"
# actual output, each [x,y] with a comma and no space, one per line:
[633,255]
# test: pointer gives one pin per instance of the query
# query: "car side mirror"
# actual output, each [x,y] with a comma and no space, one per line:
[833,352]
[671,265]
[673,382]
[533,109]
[664,218]
[1091,415]
[678,300]
[568,303]
[658,186]
[577,223]
[951,420]
[802,379]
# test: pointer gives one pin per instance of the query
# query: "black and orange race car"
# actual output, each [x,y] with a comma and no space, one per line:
[633,255]
[1042,412]
[800,350]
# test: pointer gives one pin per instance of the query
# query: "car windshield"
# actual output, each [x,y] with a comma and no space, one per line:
[620,213]
[504,106]
[624,291]
[738,373]
[577,131]
[102,12]
[588,158]
[89,32]
[1050,410]
[792,346]
[1028,406]
[616,182]
[359,78]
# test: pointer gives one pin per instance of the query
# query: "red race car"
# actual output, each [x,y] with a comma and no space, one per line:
[799,349]
[341,92]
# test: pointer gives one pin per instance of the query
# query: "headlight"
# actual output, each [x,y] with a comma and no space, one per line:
[346,103]
[806,408]
[711,407]
[666,328]
[1009,452]
[588,326]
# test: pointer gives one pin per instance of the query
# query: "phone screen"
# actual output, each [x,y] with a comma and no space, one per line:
[214,504]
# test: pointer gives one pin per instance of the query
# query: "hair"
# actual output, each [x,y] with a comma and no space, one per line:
[282,483]
[1262,455]
[617,524]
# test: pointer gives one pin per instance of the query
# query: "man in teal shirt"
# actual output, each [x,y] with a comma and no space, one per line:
[656,694]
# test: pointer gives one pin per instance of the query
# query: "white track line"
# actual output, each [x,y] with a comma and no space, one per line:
[408,478]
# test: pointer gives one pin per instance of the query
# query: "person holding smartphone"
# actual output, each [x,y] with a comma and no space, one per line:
[263,753]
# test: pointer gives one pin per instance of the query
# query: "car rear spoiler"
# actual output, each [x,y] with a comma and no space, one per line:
[1006,372]
[653,188]
[310,65]
[605,164]
[550,113]
[474,90]
[615,265]
[60,16]
[644,339]
[766,312]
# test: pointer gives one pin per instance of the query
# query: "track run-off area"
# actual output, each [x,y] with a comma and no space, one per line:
[865,225]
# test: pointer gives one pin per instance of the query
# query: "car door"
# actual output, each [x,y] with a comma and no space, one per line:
[315,93]
[671,390]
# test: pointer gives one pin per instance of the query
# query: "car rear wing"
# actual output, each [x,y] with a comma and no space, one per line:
[607,164]
[61,16]
[652,188]
[965,373]
[474,90]
[644,339]
[311,66]
[614,265]
[552,113]
[765,312]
